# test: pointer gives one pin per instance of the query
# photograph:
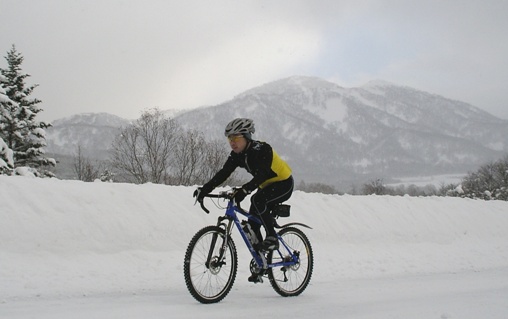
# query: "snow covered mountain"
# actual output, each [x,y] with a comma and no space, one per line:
[339,136]
[93,132]
[335,135]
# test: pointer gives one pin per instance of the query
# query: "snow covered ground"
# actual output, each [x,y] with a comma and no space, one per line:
[70,249]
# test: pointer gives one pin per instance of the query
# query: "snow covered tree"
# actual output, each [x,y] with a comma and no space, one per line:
[6,158]
[489,182]
[6,154]
[19,128]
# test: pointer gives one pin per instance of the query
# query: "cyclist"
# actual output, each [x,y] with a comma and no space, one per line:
[271,177]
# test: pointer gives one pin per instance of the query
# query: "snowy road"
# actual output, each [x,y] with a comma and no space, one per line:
[480,294]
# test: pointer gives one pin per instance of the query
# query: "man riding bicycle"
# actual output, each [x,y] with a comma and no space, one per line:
[271,176]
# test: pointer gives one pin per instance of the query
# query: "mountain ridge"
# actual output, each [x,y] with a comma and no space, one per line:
[340,136]
[357,134]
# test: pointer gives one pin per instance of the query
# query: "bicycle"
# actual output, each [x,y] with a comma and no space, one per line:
[211,259]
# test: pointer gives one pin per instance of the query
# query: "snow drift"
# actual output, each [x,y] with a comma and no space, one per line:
[73,238]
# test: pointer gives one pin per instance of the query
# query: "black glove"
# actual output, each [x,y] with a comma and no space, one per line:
[240,194]
[197,193]
[201,192]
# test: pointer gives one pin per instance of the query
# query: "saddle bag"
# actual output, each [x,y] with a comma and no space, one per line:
[281,210]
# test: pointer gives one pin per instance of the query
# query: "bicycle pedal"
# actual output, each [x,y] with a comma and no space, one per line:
[255,278]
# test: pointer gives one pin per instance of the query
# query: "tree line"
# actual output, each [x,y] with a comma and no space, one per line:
[490,181]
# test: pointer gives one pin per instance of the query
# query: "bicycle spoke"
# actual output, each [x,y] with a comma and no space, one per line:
[213,282]
[291,280]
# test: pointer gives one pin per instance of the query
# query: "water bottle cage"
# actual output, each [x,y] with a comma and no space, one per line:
[250,233]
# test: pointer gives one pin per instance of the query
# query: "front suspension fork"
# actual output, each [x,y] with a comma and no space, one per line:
[218,261]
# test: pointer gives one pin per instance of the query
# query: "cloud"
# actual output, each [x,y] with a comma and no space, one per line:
[453,48]
[259,55]
[125,56]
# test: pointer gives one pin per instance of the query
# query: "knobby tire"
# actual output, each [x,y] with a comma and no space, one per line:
[292,280]
[210,284]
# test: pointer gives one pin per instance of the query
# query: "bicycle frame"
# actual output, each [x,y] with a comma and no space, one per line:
[231,215]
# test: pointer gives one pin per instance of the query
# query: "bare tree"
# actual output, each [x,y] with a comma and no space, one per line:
[374,187]
[317,188]
[156,149]
[196,160]
[143,150]
[188,157]
[79,163]
[84,169]
[215,157]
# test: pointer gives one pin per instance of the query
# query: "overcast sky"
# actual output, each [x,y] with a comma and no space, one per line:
[124,57]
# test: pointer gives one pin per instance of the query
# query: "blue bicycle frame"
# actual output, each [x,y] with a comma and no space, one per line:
[231,215]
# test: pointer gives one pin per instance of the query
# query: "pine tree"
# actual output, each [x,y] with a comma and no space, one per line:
[6,154]
[19,128]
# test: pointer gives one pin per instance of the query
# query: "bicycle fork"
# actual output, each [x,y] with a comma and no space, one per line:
[218,261]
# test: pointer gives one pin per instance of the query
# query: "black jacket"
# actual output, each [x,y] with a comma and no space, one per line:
[260,160]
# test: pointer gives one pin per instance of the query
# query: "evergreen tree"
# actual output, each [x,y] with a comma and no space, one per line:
[19,128]
[6,154]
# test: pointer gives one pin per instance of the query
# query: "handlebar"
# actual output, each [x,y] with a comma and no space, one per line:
[225,195]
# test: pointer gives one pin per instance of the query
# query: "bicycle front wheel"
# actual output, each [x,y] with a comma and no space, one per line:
[291,280]
[210,272]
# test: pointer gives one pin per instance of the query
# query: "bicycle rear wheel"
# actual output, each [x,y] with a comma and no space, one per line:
[292,280]
[208,277]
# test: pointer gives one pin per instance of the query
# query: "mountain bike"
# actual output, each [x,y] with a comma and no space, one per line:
[211,259]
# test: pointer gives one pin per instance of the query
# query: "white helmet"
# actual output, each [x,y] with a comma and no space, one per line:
[240,126]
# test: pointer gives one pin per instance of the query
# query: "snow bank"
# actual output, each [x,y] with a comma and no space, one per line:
[70,237]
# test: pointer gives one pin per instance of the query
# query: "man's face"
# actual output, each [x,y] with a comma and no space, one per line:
[237,143]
